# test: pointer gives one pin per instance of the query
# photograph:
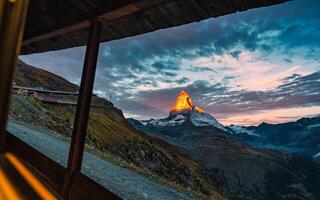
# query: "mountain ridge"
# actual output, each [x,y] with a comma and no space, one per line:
[300,136]
[184,111]
[223,153]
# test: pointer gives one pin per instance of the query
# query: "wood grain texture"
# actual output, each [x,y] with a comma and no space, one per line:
[60,24]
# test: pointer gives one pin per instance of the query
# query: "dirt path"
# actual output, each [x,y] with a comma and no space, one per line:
[126,183]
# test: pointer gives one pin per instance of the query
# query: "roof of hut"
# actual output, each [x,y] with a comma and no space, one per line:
[59,24]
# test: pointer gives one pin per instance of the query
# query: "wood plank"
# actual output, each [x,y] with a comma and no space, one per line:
[49,170]
[12,27]
[58,32]
[106,17]
[132,18]
[83,106]
[79,190]
[21,187]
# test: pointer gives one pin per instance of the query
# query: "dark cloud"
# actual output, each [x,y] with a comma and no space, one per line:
[235,54]
[229,77]
[165,65]
[145,82]
[288,60]
[182,80]
[300,91]
[200,69]
[266,29]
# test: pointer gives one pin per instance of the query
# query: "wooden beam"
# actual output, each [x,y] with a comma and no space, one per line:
[106,17]
[126,10]
[1,12]
[52,174]
[50,171]
[13,17]
[57,32]
[79,190]
[83,106]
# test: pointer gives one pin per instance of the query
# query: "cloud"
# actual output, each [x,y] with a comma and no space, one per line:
[223,102]
[288,60]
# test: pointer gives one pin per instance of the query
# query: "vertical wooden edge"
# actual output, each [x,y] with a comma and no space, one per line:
[1,12]
[83,106]
[11,33]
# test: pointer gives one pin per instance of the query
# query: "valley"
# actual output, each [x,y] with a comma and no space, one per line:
[301,136]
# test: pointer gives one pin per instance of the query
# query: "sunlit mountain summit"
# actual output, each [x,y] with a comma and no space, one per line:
[184,103]
[185,111]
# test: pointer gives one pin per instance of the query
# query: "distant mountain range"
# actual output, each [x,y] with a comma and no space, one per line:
[249,172]
[301,136]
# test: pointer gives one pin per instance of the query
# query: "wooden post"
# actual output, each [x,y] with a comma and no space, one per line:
[83,106]
[12,21]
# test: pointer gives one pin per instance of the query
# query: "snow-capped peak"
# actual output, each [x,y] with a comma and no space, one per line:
[185,110]
[184,103]
[177,120]
[242,129]
[196,118]
[205,119]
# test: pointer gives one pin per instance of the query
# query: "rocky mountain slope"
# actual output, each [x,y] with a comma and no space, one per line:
[248,172]
[110,133]
[301,136]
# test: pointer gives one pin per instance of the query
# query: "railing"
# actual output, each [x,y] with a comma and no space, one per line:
[52,100]
[40,90]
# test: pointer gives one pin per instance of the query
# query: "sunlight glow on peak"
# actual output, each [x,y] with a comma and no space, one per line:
[184,102]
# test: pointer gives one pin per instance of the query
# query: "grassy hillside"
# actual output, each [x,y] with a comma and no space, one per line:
[110,135]
[27,75]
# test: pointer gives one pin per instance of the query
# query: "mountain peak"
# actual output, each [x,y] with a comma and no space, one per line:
[184,111]
[184,103]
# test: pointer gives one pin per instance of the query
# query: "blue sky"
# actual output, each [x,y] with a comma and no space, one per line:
[259,65]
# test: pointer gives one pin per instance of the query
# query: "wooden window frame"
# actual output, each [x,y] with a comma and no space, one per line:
[68,183]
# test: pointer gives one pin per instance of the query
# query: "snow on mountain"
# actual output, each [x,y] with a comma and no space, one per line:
[205,119]
[241,129]
[301,136]
[178,120]
[197,119]
[184,110]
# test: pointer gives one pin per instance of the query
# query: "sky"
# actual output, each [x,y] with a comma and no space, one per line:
[261,65]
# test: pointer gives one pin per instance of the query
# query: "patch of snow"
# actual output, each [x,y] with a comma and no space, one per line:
[317,155]
[314,126]
[198,119]
[240,129]
[178,120]
[179,117]
[204,119]
[144,122]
